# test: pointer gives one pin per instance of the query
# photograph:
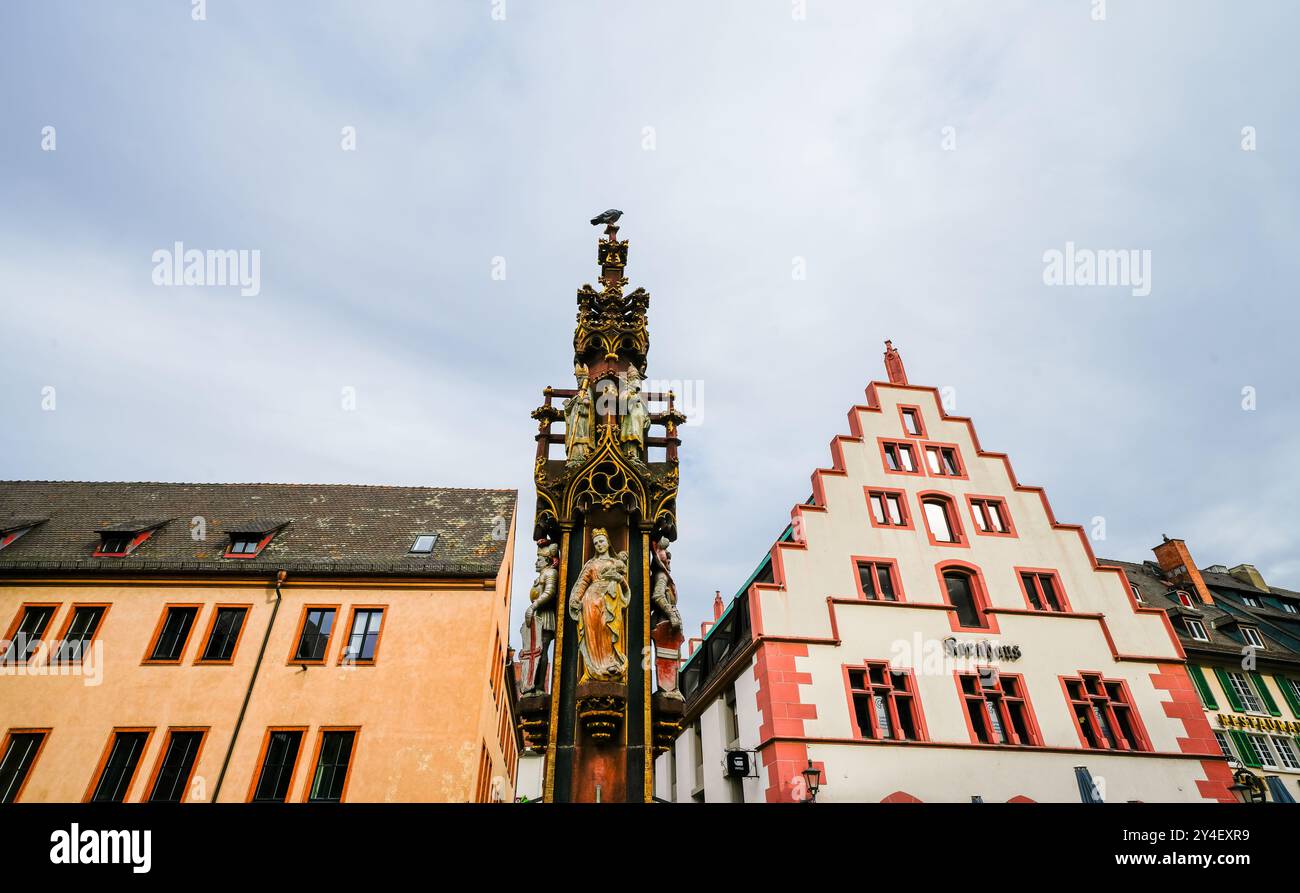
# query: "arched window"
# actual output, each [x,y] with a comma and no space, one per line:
[962,595]
[941,519]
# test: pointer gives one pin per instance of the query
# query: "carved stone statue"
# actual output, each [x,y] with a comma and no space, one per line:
[636,418]
[577,420]
[538,630]
[599,603]
[663,591]
[666,621]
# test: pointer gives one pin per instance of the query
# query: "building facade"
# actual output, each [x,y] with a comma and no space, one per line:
[926,630]
[255,642]
[1242,638]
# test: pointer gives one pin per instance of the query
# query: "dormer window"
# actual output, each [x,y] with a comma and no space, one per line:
[423,544]
[1195,629]
[1253,638]
[250,538]
[1183,598]
[11,530]
[121,540]
[1250,601]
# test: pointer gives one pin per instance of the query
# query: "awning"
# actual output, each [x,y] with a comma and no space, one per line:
[1277,787]
[1088,792]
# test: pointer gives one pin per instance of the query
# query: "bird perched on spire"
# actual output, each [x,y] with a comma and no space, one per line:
[610,217]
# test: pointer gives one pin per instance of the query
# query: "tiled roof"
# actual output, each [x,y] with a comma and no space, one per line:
[1219,618]
[331,529]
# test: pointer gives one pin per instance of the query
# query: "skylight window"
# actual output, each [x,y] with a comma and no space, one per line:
[423,544]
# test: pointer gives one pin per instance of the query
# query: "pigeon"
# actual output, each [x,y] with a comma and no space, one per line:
[611,216]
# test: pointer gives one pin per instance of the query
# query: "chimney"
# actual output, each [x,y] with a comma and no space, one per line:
[1246,573]
[894,365]
[717,603]
[1176,561]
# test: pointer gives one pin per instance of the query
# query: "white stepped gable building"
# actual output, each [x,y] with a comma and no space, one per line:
[926,630]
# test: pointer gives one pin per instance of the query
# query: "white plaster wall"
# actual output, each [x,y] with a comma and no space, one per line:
[531,772]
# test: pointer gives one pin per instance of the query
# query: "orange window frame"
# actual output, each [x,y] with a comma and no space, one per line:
[901,443]
[979,592]
[1037,572]
[294,660]
[136,542]
[260,765]
[67,625]
[1004,713]
[108,749]
[910,690]
[906,409]
[4,749]
[162,755]
[315,759]
[199,660]
[17,623]
[342,659]
[148,659]
[894,577]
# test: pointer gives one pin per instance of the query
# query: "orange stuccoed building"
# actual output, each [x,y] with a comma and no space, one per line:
[255,643]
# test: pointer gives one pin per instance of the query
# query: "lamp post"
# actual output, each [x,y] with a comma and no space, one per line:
[812,778]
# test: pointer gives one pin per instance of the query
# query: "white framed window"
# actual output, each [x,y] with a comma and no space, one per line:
[1289,607]
[1286,751]
[1250,601]
[1137,593]
[1196,630]
[1241,686]
[1253,637]
[1263,750]
[423,544]
[1183,598]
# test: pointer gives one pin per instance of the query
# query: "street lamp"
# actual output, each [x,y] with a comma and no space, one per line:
[812,779]
[1247,787]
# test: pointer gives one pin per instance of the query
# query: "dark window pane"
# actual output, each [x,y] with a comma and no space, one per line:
[175,632]
[1049,592]
[277,768]
[27,638]
[866,579]
[886,582]
[82,629]
[120,767]
[365,635]
[225,633]
[17,762]
[178,762]
[1031,589]
[315,634]
[961,595]
[332,767]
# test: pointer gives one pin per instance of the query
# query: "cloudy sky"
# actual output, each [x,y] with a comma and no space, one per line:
[916,159]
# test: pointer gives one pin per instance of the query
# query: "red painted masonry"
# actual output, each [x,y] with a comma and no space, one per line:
[1186,706]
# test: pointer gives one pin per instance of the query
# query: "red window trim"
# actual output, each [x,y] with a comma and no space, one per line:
[972,498]
[893,574]
[918,459]
[908,523]
[981,594]
[962,471]
[1031,719]
[135,543]
[261,544]
[954,519]
[913,692]
[903,408]
[1139,729]
[1056,581]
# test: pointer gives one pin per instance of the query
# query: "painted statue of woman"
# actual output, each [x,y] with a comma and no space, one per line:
[577,420]
[636,418]
[599,603]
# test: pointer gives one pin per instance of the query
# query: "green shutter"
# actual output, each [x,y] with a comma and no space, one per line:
[1245,750]
[1288,692]
[1202,687]
[1228,690]
[1262,687]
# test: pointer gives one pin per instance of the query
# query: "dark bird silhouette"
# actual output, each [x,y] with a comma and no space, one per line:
[610,217]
